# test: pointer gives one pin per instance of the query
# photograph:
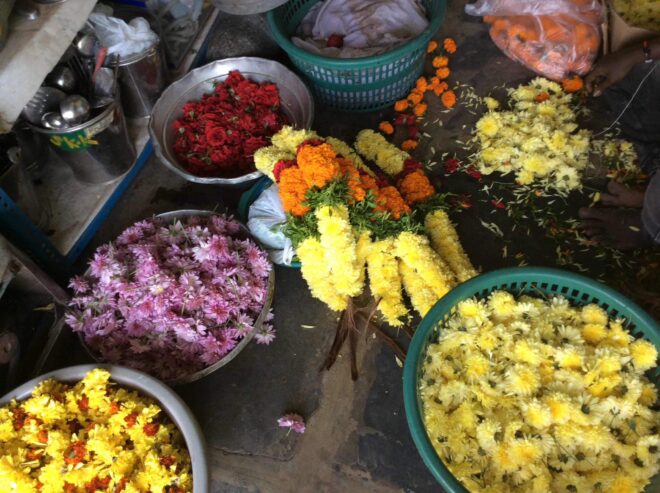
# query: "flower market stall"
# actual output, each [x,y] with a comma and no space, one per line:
[356,265]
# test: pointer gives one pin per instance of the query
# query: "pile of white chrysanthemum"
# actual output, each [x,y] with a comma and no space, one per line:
[533,396]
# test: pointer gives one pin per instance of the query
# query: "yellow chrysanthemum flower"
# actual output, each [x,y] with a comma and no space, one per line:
[385,281]
[288,138]
[316,272]
[644,354]
[593,314]
[594,333]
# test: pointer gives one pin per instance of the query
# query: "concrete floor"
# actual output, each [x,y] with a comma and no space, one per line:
[357,438]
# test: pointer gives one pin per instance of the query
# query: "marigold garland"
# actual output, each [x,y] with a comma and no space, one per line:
[385,282]
[414,250]
[318,164]
[362,252]
[389,199]
[316,272]
[346,151]
[338,242]
[266,157]
[292,191]
[446,243]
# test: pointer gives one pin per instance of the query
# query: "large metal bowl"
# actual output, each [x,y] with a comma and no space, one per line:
[182,214]
[296,99]
[170,402]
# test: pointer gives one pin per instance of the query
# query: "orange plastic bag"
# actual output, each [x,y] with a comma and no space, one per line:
[554,38]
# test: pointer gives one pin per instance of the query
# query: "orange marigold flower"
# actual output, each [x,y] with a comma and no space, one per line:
[544,96]
[386,128]
[432,46]
[574,84]
[422,84]
[434,82]
[408,145]
[318,164]
[420,109]
[440,61]
[75,453]
[390,200]
[440,88]
[368,182]
[401,105]
[449,99]
[443,72]
[353,179]
[293,189]
[450,45]
[416,187]
[415,96]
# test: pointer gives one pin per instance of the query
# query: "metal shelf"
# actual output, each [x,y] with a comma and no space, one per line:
[76,210]
[32,50]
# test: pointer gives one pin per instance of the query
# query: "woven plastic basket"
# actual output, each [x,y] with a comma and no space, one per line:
[356,84]
[537,281]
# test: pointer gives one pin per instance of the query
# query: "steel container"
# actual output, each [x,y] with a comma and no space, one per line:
[141,80]
[97,151]
[296,103]
[167,399]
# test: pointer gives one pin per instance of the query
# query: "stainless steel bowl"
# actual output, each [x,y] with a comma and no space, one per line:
[297,105]
[168,400]
[182,214]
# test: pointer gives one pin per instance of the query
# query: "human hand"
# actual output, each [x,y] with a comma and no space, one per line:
[610,70]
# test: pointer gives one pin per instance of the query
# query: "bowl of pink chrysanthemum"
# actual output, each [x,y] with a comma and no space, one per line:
[176,296]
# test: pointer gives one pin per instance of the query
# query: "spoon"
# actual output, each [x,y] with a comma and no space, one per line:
[86,45]
[53,120]
[63,78]
[74,109]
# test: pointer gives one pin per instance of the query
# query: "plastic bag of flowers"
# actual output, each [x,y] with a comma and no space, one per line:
[172,299]
[90,436]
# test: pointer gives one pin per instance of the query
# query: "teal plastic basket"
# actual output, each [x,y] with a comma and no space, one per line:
[579,290]
[248,198]
[356,84]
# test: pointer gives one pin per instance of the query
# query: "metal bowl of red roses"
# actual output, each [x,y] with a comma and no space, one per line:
[170,122]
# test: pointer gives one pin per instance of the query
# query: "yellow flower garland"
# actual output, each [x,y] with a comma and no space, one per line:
[362,251]
[266,158]
[421,296]
[385,282]
[446,243]
[414,250]
[316,272]
[338,242]
[288,138]
[376,148]
[343,149]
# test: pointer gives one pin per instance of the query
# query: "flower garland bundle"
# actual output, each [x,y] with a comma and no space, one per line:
[172,299]
[218,135]
[446,243]
[534,395]
[91,436]
[339,245]
[537,139]
[343,216]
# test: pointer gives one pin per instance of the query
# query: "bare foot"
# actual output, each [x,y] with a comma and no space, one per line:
[622,196]
[616,228]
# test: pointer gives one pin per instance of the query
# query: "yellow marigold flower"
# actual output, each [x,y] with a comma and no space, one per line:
[644,354]
[288,138]
[385,282]
[593,314]
[338,243]
[446,243]
[266,158]
[415,251]
[316,271]
[376,148]
[488,125]
[421,296]
[594,333]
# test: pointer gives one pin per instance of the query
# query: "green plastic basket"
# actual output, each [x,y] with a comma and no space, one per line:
[356,84]
[579,290]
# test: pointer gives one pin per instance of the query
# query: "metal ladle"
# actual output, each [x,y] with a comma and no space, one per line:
[74,109]
[63,78]
[53,120]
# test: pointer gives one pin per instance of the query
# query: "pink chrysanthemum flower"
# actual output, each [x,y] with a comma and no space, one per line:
[293,421]
[265,335]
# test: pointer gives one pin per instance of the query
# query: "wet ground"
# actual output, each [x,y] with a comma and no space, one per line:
[357,438]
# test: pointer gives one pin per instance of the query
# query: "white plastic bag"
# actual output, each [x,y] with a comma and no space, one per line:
[121,38]
[265,220]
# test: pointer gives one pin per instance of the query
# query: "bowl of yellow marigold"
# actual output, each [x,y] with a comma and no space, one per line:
[536,380]
[87,428]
